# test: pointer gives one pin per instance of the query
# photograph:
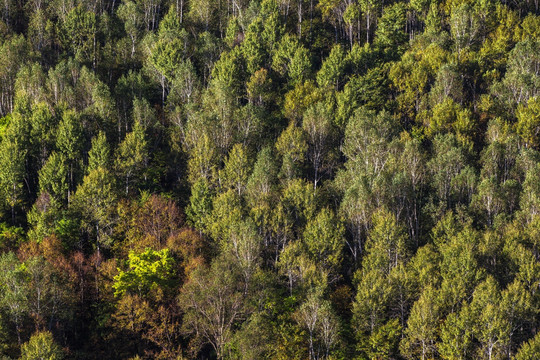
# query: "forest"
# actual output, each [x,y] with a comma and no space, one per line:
[270,179]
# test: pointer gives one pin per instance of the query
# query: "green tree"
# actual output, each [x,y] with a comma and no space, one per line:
[529,121]
[371,302]
[456,335]
[253,46]
[236,171]
[384,341]
[332,69]
[79,34]
[95,200]
[99,154]
[227,212]
[291,60]
[365,181]
[292,146]
[491,328]
[12,174]
[316,316]
[530,195]
[529,349]
[213,301]
[369,10]
[41,346]
[202,161]
[42,134]
[520,82]
[131,15]
[448,166]
[390,33]
[321,136]
[460,270]
[387,245]
[69,142]
[422,329]
[53,177]
[200,204]
[146,271]
[132,157]
[465,26]
[169,49]
[15,290]
[15,51]
[324,239]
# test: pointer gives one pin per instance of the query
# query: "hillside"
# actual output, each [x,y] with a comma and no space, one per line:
[270,179]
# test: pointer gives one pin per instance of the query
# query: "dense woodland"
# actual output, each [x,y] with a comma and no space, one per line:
[270,179]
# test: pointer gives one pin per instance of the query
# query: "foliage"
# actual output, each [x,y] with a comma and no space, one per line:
[269,179]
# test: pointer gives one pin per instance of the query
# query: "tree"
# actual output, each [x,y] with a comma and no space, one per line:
[259,88]
[132,157]
[169,49]
[204,12]
[79,34]
[491,328]
[12,173]
[460,270]
[15,51]
[261,183]
[299,99]
[529,121]
[95,200]
[69,142]
[456,335]
[185,87]
[332,69]
[383,342]
[316,315]
[49,292]
[236,170]
[530,196]
[146,271]
[365,181]
[320,135]
[371,301]
[291,60]
[390,33]
[447,164]
[253,46]
[465,26]
[413,165]
[517,307]
[41,346]
[324,238]
[44,216]
[42,134]
[53,177]
[151,222]
[520,82]
[422,327]
[200,204]
[131,15]
[386,246]
[213,301]
[228,72]
[14,290]
[291,145]
[529,349]
[244,244]
[369,9]
[99,154]
[150,10]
